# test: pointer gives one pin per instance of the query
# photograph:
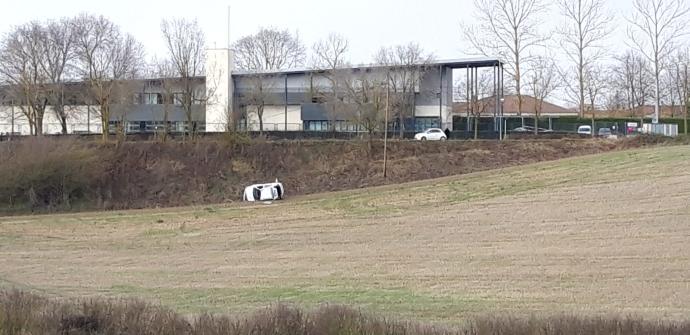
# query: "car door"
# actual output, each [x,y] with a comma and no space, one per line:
[435,135]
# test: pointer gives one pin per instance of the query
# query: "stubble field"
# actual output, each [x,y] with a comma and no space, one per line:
[603,234]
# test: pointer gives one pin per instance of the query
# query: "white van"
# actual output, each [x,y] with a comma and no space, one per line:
[584,130]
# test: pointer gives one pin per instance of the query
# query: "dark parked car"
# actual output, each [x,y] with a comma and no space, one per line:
[605,132]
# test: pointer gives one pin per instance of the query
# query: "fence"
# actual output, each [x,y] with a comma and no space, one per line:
[660,129]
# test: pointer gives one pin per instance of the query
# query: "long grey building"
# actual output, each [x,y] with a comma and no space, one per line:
[293,100]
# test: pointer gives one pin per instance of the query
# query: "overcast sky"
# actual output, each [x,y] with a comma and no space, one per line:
[368,24]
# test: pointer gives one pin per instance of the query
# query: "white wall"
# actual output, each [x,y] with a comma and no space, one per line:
[274,118]
[77,120]
[219,89]
[20,123]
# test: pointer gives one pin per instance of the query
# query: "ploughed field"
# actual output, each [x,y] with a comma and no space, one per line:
[601,234]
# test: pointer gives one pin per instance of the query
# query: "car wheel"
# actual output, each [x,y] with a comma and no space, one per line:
[423,138]
[443,139]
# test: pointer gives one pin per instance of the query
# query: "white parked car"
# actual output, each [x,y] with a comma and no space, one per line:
[432,134]
[264,192]
[584,130]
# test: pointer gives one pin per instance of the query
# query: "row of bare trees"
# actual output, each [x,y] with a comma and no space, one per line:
[38,61]
[514,31]
[346,95]
[592,77]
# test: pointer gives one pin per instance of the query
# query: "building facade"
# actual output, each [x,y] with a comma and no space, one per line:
[294,100]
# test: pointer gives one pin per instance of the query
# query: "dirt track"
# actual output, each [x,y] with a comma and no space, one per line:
[598,234]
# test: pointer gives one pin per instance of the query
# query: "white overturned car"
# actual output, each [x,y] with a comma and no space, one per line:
[264,192]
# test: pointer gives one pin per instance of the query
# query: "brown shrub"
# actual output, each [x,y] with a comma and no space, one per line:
[22,313]
[45,174]
[62,174]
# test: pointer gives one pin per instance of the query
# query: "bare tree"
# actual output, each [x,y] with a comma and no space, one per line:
[595,82]
[406,66]
[186,41]
[668,91]
[586,26]
[655,26]
[330,55]
[260,94]
[266,51]
[615,96]
[507,29]
[106,57]
[121,101]
[21,61]
[166,72]
[634,73]
[269,49]
[367,97]
[544,79]
[58,62]
[682,82]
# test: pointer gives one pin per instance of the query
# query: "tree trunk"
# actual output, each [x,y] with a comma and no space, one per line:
[536,116]
[476,127]
[685,119]
[260,113]
[517,72]
[63,124]
[105,123]
[39,125]
[581,80]
[60,113]
[593,129]
[402,114]
[657,99]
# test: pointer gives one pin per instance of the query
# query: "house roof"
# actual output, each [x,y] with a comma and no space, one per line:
[646,111]
[529,103]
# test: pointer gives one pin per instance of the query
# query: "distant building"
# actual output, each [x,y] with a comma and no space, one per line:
[529,105]
[292,101]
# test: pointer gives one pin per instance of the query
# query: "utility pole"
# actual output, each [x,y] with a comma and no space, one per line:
[385,127]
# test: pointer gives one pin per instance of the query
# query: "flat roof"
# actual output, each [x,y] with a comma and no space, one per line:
[452,63]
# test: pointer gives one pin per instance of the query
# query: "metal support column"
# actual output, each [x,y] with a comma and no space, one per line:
[286,102]
[495,93]
[467,100]
[502,97]
[475,96]
[440,97]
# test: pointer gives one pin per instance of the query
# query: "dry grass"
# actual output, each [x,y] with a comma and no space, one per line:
[22,313]
[593,235]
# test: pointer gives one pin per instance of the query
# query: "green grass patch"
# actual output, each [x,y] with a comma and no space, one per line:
[398,301]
